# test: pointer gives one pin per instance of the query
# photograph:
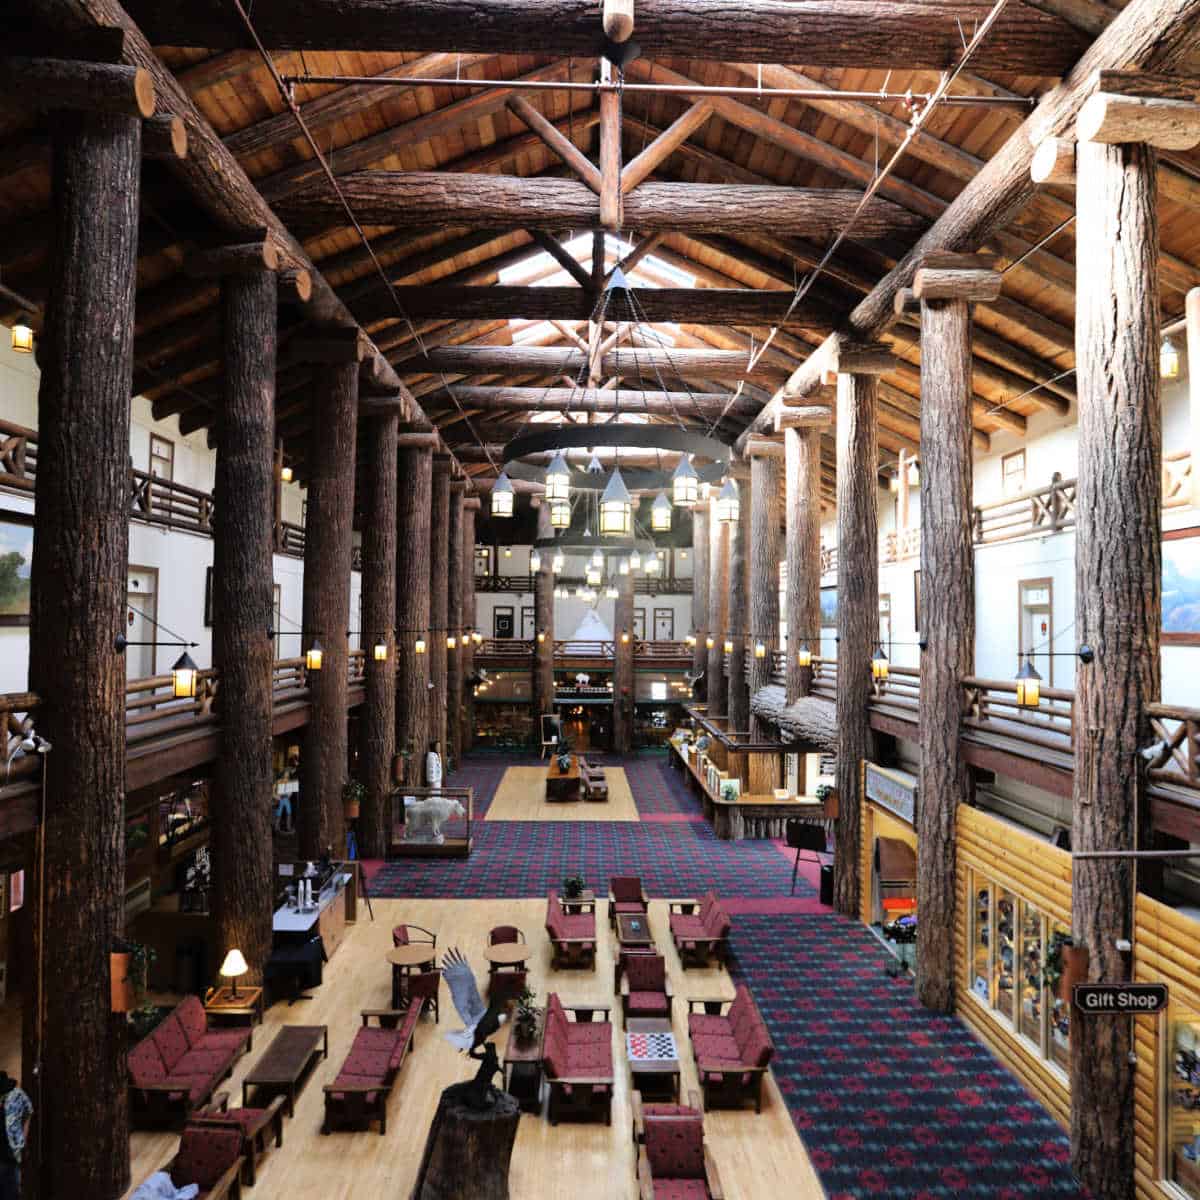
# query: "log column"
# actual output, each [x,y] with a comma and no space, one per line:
[243,574]
[471,506]
[439,610]
[379,619]
[1118,611]
[79,1144]
[454,620]
[945,285]
[413,504]
[858,616]
[766,471]
[738,701]
[543,633]
[803,599]
[718,611]
[700,548]
[321,820]
[623,684]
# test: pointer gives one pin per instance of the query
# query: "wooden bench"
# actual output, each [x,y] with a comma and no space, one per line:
[594,781]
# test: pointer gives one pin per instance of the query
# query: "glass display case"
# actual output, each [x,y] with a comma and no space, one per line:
[1005,956]
[1183,1105]
[1030,981]
[981,942]
[1060,1011]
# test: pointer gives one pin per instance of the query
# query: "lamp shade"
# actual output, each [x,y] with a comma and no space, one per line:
[1029,685]
[560,514]
[314,656]
[451,642]
[625,637]
[22,337]
[709,642]
[728,646]
[653,565]
[380,651]
[635,561]
[879,664]
[728,503]
[286,474]
[183,677]
[1168,359]
[503,496]
[685,483]
[661,514]
[234,965]
[616,508]
[419,646]
[558,479]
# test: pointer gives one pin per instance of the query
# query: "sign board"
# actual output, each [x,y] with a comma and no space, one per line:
[894,790]
[1136,998]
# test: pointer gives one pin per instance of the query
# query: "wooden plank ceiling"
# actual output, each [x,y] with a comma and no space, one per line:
[443,264]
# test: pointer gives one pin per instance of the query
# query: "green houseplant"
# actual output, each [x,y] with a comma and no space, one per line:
[525,1019]
[562,755]
[573,886]
[353,794]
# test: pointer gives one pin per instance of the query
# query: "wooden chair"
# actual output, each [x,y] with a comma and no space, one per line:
[593,781]
[641,1110]
[503,935]
[645,989]
[211,1158]
[402,935]
[626,896]
[674,1153]
[426,986]
[258,1126]
[808,838]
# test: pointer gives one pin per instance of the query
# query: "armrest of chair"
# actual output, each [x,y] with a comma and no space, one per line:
[230,1184]
[721,1072]
[427,932]
[713,1176]
[707,1006]
[218,1103]
[684,907]
[581,1080]
[357,1089]
[645,1180]
[382,1014]
[590,1009]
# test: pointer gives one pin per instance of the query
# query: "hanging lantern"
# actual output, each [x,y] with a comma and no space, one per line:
[760,649]
[708,642]
[593,575]
[594,466]
[653,565]
[804,656]
[557,563]
[1168,359]
[728,503]
[624,637]
[879,664]
[660,514]
[22,336]
[541,637]
[1029,685]
[610,592]
[914,474]
[690,639]
[558,479]
[503,496]
[685,483]
[183,678]
[419,646]
[623,566]
[728,646]
[380,651]
[314,656]
[477,637]
[616,508]
[560,514]
[535,562]
[508,552]
[635,561]
[451,642]
[286,474]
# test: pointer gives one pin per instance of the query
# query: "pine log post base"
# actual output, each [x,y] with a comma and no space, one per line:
[467,1152]
[808,721]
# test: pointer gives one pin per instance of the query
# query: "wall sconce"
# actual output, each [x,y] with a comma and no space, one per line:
[451,642]
[728,646]
[314,656]
[541,636]
[653,565]
[879,664]
[508,552]
[624,637]
[1168,359]
[477,637]
[183,678]
[22,336]
[635,561]
[804,656]
[557,563]
[286,474]
[709,643]
[535,562]
[760,649]
[690,639]
[419,646]
[380,651]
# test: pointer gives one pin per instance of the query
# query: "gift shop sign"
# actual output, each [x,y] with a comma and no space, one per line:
[1136,998]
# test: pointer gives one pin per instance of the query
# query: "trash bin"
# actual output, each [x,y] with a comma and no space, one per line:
[827,884]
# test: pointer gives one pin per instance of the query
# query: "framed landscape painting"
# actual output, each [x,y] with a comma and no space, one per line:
[1181,587]
[16,558]
[829,607]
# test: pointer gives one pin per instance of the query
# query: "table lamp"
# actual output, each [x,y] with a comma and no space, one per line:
[233,966]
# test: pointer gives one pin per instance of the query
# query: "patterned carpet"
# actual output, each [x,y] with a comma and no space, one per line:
[890,1100]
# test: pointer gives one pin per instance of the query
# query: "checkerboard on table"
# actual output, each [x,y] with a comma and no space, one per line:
[651,1047]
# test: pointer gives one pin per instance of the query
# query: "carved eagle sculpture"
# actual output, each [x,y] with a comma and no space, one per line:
[480,1021]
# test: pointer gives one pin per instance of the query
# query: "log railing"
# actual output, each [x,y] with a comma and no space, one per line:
[564,648]
[18,715]
[1177,757]
[18,456]
[1177,479]
[642,585]
[991,708]
[1045,510]
[898,696]
[165,502]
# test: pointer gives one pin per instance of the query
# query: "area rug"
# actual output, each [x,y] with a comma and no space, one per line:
[891,1101]
[521,796]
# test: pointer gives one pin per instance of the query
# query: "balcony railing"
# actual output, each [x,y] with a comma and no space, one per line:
[18,456]
[642,585]
[643,651]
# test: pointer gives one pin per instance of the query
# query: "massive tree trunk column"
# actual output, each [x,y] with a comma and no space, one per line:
[80,1138]
[700,548]
[543,623]
[858,617]
[454,620]
[947,618]
[1118,611]
[765,475]
[623,684]
[439,603]
[738,694]
[803,600]
[378,619]
[321,820]
[243,574]
[718,612]
[413,501]
[470,619]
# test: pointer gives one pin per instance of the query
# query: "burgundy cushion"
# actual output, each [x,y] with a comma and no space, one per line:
[669,1110]
[205,1154]
[756,1050]
[589,1058]
[146,1064]
[504,934]
[680,1189]
[579,925]
[702,1023]
[646,973]
[171,1042]
[554,1006]
[194,1020]
[226,1041]
[712,1048]
[626,888]
[648,1002]
[675,1148]
[212,1064]
[717,924]
[583,1033]
[684,925]
[400,935]
[630,907]
[244,1118]
[197,1088]
[348,1079]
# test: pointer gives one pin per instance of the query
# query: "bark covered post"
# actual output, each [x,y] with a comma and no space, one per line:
[379,618]
[946,287]
[858,617]
[454,621]
[737,704]
[79,1142]
[623,686]
[413,503]
[243,575]
[321,819]
[439,603]
[1118,612]
[543,628]
[471,506]
[803,599]
[700,548]
[765,479]
[718,611]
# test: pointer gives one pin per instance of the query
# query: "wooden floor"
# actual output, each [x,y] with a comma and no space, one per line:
[521,796]
[759,1156]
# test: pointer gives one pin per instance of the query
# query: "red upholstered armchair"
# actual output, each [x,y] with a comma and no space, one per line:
[675,1164]
[502,935]
[625,896]
[211,1158]
[572,935]
[732,1051]
[697,935]
[645,990]
[578,1059]
[641,1110]
[256,1125]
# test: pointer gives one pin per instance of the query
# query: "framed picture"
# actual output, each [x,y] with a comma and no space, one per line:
[16,559]
[503,622]
[1181,587]
[208,598]
[917,601]
[829,607]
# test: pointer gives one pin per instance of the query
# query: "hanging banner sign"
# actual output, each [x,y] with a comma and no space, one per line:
[1136,998]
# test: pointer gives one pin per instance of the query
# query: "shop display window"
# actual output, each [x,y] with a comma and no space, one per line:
[1005,956]
[1060,1010]
[1029,981]
[1183,1106]
[981,942]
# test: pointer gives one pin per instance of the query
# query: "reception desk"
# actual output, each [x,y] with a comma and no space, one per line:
[327,917]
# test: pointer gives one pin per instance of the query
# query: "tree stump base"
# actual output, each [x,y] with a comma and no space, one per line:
[467,1153]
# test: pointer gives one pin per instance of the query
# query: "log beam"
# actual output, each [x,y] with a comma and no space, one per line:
[59,83]
[1158,121]
[562,146]
[559,253]
[1053,162]
[248,258]
[471,506]
[963,277]
[164,136]
[583,400]
[663,146]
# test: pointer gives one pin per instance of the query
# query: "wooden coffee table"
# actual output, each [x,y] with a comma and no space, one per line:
[655,1077]
[286,1064]
[633,930]
[563,785]
[523,1067]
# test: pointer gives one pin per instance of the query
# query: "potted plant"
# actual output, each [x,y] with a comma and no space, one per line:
[129,967]
[525,1019]
[827,794]
[1064,966]
[562,754]
[145,1019]
[573,886]
[353,794]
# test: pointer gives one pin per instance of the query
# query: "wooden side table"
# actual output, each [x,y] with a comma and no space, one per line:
[220,1004]
[523,1067]
[584,902]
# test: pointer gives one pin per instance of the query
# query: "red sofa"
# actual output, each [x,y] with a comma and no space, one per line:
[572,935]
[176,1069]
[359,1094]
[732,1051]
[697,935]
[577,1055]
